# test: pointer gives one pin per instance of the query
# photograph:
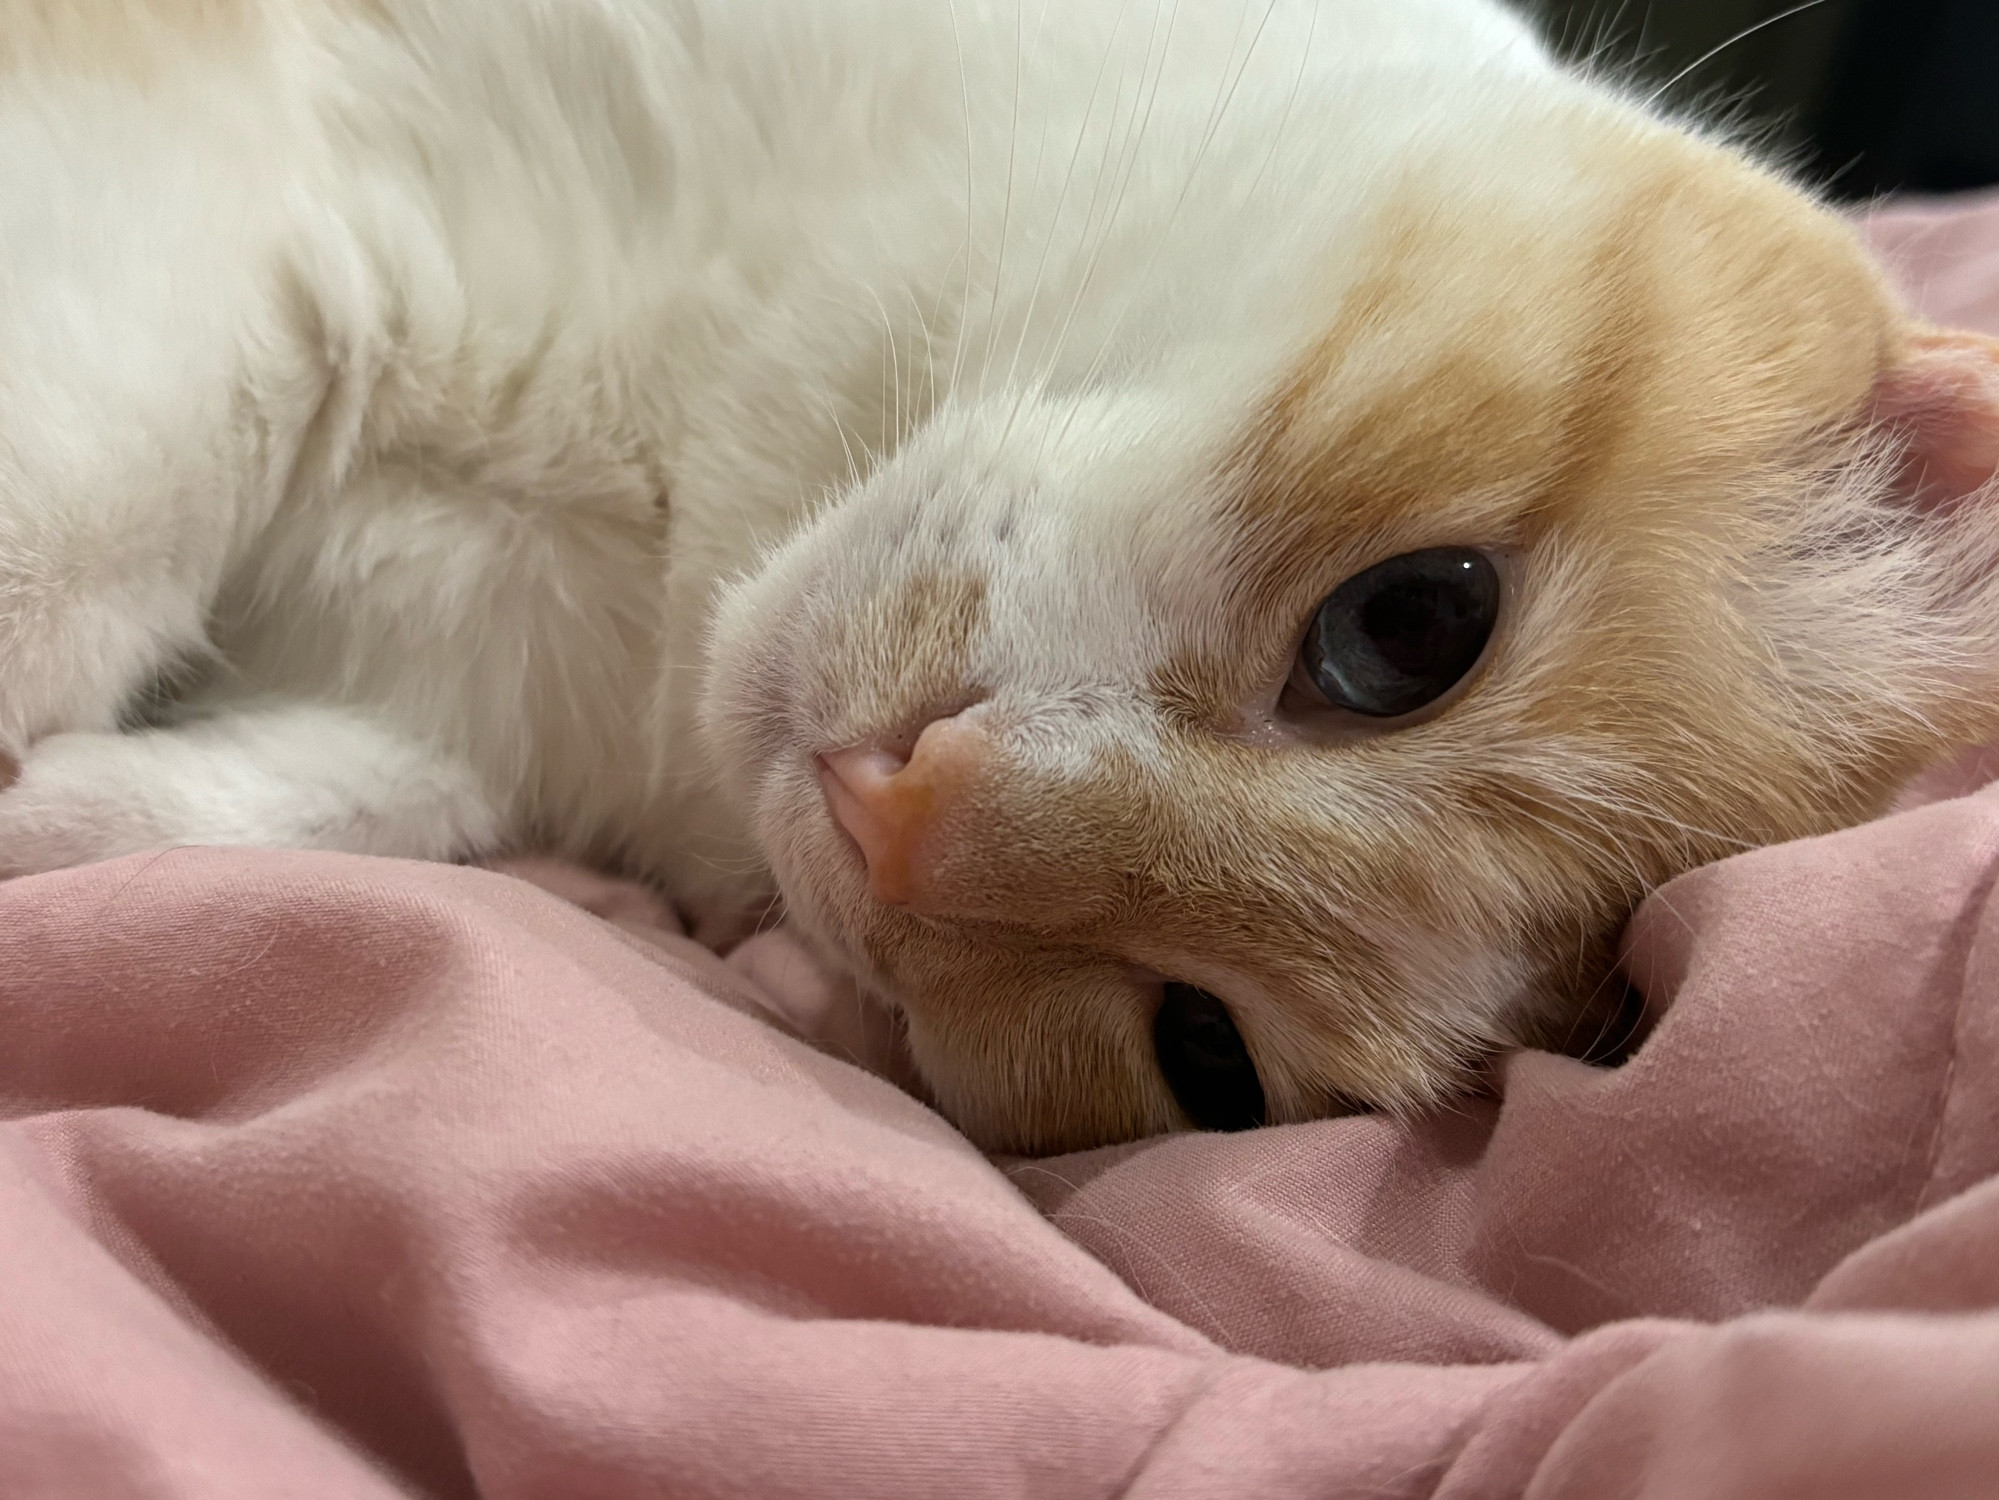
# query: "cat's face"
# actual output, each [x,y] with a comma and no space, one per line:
[1049,725]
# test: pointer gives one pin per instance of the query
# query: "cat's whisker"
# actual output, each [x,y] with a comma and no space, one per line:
[937,303]
[1713,52]
[1606,1016]
[1076,298]
[1120,152]
[892,428]
[1290,104]
[1054,220]
[1606,54]
[924,402]
[854,474]
[1128,159]
[1140,283]
[971,236]
[1006,206]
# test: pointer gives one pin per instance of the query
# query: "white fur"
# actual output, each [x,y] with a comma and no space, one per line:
[440,374]
[293,774]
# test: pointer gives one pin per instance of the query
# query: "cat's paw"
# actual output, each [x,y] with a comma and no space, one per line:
[299,776]
[72,800]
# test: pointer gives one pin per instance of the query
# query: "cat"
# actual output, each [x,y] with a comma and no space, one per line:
[1211,550]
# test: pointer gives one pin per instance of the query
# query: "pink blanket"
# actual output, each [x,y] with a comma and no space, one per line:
[334,1177]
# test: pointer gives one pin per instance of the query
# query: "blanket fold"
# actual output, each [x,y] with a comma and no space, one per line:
[329,1176]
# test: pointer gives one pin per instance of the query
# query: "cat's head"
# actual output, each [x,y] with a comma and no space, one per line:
[1334,696]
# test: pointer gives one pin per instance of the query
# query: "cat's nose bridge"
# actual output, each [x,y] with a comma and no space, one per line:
[892,805]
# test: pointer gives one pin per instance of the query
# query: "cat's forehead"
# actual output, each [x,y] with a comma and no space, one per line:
[1621,370]
[1695,318]
[1616,363]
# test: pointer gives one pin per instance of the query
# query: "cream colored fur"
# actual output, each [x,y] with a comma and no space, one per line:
[446,398]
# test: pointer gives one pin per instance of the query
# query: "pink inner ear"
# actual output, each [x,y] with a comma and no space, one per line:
[1944,394]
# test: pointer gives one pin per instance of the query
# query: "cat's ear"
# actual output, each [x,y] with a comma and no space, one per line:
[1942,396]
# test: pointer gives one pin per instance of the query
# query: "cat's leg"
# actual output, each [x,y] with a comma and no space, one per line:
[150,409]
[296,775]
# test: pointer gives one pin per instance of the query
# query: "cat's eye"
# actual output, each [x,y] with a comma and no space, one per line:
[1402,634]
[1204,1060]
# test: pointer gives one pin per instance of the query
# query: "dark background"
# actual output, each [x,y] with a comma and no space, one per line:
[1872,96]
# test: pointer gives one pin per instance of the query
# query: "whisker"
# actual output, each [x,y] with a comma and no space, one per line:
[1006,207]
[1713,52]
[1225,97]
[1128,157]
[1290,102]
[971,238]
[1069,176]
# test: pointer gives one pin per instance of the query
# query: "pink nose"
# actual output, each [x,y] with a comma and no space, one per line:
[891,807]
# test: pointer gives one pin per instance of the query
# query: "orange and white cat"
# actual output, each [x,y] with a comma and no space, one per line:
[1211,549]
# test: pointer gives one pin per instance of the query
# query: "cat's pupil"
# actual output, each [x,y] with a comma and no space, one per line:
[1204,1060]
[1403,633]
[1414,623]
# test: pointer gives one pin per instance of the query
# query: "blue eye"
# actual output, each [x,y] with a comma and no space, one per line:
[1402,634]
[1204,1060]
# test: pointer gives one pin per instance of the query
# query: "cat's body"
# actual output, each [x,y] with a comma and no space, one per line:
[462,349]
[412,376]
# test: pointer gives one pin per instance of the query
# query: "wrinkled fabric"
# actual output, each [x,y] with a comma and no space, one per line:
[323,1176]
[331,1176]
